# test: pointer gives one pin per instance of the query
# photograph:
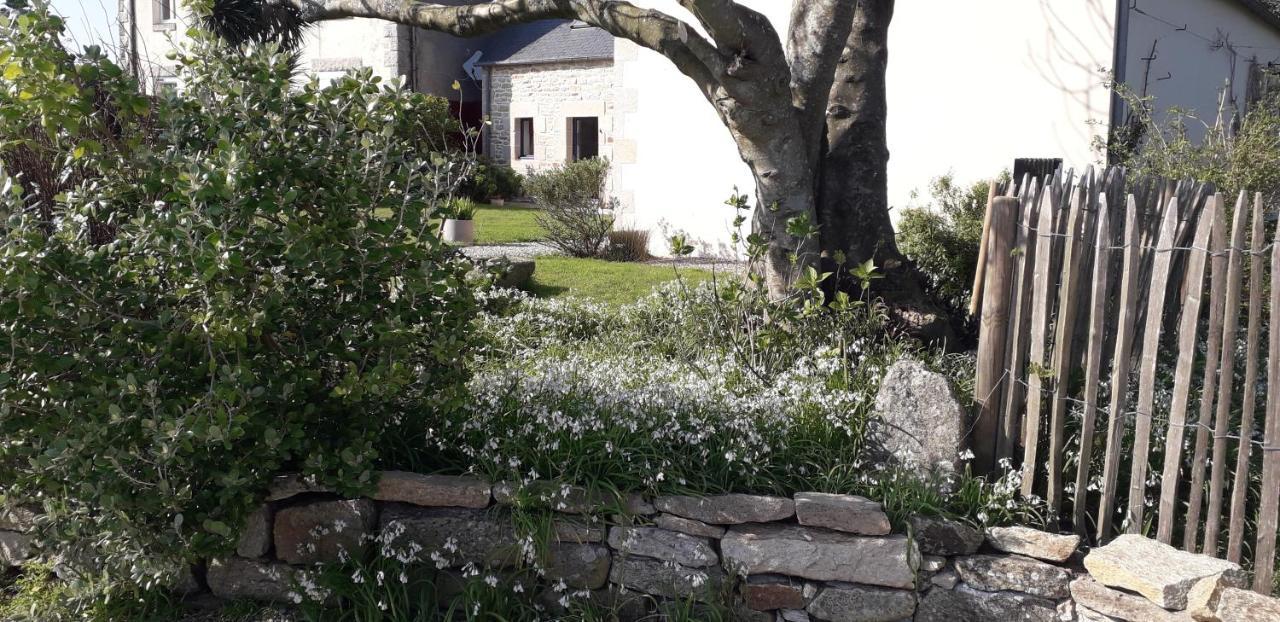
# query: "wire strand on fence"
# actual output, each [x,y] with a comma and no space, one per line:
[1130,414]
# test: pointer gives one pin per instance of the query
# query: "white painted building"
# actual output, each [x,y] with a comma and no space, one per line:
[973,84]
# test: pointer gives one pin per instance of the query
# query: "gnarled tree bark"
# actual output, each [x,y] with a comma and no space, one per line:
[808,119]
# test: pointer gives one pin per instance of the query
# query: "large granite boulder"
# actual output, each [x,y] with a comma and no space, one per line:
[821,555]
[919,421]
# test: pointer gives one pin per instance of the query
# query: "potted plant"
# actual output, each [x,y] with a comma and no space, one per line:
[459,225]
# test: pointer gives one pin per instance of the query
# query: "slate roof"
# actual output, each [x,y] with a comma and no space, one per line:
[1268,10]
[547,41]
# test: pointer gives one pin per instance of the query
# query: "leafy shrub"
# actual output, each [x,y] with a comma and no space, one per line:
[488,180]
[239,280]
[576,211]
[1235,152]
[943,237]
[628,245]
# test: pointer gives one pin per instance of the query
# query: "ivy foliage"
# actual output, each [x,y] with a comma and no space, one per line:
[203,289]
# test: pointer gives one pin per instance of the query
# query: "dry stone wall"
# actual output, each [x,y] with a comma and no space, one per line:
[814,556]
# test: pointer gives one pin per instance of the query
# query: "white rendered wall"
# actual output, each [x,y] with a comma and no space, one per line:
[329,47]
[1044,57]
[1192,66]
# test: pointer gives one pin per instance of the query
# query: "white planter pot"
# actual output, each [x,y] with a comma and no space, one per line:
[497,202]
[460,231]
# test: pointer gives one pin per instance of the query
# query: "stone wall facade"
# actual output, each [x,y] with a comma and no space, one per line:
[550,94]
[813,556]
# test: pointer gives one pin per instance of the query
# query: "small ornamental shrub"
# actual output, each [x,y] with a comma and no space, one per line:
[576,209]
[228,283]
[943,237]
[628,245]
[1234,152]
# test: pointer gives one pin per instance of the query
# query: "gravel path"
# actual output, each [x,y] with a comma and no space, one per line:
[519,250]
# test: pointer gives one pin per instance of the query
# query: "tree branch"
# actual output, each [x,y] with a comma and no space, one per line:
[819,34]
[691,53]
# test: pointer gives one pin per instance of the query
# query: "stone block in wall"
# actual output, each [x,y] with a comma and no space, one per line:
[664,545]
[1162,573]
[580,566]
[553,495]
[323,532]
[285,486]
[965,604]
[666,579]
[1102,600]
[728,509]
[848,513]
[450,536]
[767,592]
[255,536]
[861,603]
[433,490]
[1240,605]
[793,615]
[919,422]
[689,526]
[15,548]
[636,505]
[1033,543]
[246,579]
[626,606]
[946,579]
[1014,573]
[17,519]
[821,555]
[572,532]
[940,536]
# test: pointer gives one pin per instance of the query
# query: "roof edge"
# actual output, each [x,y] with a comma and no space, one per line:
[1268,10]
[575,59]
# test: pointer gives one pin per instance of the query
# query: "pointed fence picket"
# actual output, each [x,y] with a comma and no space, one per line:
[1095,282]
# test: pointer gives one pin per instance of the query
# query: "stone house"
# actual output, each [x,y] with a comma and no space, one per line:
[972,86]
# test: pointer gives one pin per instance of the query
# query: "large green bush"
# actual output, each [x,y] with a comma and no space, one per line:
[219,286]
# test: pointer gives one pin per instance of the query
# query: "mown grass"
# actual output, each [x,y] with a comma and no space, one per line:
[508,224]
[610,282]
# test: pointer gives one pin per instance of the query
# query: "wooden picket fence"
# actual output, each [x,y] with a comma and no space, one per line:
[1110,307]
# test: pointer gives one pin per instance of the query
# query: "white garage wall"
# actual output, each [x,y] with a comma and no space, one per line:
[973,84]
[1192,66]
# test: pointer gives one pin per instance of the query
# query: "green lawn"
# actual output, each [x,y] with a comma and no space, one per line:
[507,224]
[611,282]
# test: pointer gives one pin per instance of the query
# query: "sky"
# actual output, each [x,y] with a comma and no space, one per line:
[90,22]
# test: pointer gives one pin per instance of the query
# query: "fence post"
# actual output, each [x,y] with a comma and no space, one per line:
[1003,212]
